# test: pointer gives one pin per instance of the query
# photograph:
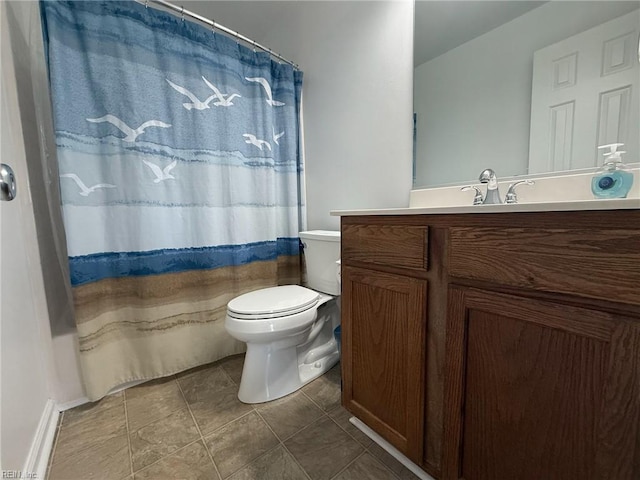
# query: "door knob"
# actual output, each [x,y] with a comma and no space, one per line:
[7,183]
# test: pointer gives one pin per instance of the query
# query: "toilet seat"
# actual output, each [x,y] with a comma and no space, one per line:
[273,302]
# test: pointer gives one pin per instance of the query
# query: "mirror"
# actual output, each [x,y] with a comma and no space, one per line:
[491,75]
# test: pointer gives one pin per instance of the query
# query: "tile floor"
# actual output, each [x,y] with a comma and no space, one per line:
[192,426]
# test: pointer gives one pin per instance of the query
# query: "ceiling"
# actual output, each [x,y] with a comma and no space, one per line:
[441,26]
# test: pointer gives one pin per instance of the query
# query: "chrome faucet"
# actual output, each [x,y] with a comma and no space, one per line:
[492,197]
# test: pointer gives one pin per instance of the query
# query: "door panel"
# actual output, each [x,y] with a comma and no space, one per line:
[534,388]
[384,328]
[534,394]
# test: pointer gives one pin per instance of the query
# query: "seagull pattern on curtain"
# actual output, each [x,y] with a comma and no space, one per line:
[181,182]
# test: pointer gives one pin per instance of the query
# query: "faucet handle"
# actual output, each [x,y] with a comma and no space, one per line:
[511,196]
[477,199]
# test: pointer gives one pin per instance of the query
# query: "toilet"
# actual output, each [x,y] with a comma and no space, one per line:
[289,329]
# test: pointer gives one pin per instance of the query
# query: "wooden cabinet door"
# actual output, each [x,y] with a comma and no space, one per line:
[383,354]
[539,390]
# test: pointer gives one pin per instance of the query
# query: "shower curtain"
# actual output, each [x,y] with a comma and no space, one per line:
[181,183]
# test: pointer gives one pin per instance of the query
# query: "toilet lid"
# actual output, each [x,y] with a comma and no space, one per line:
[284,300]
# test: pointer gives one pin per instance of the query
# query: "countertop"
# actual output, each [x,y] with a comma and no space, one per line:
[610,204]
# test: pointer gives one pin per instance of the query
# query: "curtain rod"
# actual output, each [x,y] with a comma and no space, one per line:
[216,26]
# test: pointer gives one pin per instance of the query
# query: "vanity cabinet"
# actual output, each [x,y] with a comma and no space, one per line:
[511,341]
[387,275]
[384,297]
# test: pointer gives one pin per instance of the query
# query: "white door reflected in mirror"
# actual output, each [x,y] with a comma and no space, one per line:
[585,88]
[473,100]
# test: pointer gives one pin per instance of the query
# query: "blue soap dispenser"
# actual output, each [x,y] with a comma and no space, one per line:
[612,180]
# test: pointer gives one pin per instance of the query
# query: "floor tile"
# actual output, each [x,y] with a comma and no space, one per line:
[153,402]
[366,468]
[82,412]
[198,384]
[95,427]
[147,387]
[190,463]
[289,414]
[394,465]
[243,440]
[161,438]
[325,390]
[341,416]
[106,460]
[233,366]
[238,443]
[275,465]
[217,408]
[323,449]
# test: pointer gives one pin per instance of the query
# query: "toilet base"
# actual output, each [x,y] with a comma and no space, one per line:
[275,368]
[318,368]
[270,373]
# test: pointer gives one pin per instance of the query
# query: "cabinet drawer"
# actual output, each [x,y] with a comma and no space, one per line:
[586,262]
[388,245]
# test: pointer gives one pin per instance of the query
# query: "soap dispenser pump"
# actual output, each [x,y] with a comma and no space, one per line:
[612,180]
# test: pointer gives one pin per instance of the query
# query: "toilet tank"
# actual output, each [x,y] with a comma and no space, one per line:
[321,252]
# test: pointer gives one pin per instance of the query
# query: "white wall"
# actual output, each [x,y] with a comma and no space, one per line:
[473,103]
[47,241]
[357,59]
[26,352]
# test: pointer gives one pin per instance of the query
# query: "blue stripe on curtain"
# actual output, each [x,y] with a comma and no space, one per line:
[91,268]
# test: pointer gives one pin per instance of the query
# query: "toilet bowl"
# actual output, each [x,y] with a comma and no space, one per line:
[289,329]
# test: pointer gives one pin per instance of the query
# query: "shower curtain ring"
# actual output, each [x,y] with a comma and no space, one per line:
[182,12]
[146,3]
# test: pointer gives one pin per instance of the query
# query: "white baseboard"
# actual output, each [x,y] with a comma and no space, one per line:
[38,458]
[393,451]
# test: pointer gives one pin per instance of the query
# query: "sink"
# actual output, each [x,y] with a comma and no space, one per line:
[550,189]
